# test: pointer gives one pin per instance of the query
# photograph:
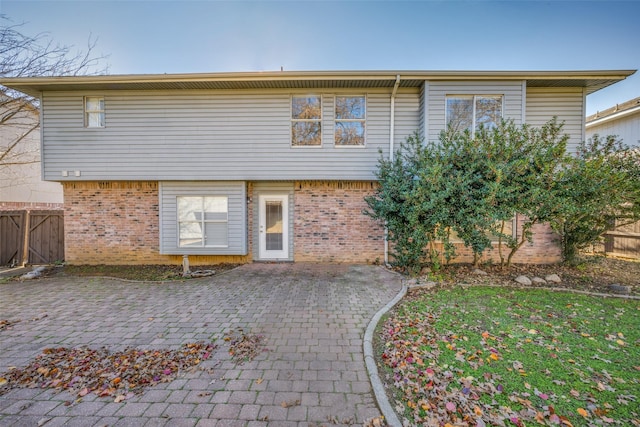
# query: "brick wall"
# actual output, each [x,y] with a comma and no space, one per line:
[112,223]
[545,248]
[118,223]
[329,225]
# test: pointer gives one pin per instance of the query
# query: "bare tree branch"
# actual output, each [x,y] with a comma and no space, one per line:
[30,56]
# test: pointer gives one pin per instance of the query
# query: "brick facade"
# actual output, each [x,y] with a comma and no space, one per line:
[329,225]
[545,248]
[118,223]
[112,223]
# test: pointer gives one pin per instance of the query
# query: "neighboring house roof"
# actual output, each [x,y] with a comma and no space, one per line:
[618,111]
[590,80]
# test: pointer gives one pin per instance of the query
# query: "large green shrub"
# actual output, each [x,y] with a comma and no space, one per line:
[409,201]
[469,184]
[600,187]
[472,184]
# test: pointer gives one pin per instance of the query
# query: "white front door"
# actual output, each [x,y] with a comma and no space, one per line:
[273,227]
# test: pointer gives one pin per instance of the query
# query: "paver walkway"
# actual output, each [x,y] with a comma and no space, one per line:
[313,318]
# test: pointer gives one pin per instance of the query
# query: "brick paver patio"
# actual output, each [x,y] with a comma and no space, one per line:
[313,318]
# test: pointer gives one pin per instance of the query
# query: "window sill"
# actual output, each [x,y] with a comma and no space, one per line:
[350,147]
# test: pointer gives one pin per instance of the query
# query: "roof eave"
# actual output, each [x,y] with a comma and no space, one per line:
[592,80]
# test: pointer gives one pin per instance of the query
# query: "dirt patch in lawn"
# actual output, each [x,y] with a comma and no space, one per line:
[591,273]
[135,272]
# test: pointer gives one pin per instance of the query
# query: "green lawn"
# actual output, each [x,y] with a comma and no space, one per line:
[500,356]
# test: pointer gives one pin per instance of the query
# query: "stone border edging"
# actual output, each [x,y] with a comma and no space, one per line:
[378,389]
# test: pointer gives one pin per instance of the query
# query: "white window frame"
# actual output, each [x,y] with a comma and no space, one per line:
[202,222]
[89,112]
[473,113]
[292,120]
[362,120]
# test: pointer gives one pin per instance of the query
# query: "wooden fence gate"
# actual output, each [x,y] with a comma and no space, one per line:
[34,237]
[624,241]
[12,236]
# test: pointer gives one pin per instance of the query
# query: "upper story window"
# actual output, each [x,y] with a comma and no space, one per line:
[306,117]
[203,221]
[471,112]
[350,120]
[94,112]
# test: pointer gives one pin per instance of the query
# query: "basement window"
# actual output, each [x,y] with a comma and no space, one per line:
[203,221]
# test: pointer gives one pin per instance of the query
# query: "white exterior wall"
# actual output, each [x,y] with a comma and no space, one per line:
[21,183]
[567,104]
[211,135]
[626,128]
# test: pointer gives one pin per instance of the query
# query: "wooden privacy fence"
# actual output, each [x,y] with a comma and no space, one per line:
[31,237]
[623,240]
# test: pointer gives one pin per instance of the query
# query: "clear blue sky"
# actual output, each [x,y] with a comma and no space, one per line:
[211,36]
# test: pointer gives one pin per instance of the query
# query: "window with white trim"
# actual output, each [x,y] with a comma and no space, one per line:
[94,112]
[203,221]
[306,121]
[472,111]
[350,120]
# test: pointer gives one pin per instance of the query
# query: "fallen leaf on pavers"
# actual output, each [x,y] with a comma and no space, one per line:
[375,422]
[6,324]
[204,393]
[259,381]
[244,347]
[290,403]
[84,370]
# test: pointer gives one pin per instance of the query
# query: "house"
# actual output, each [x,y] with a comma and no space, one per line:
[622,120]
[21,186]
[263,166]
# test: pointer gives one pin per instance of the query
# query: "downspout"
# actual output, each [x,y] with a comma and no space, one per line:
[392,125]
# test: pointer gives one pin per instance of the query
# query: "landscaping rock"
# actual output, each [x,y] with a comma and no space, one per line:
[620,289]
[523,280]
[539,281]
[553,278]
[479,272]
[33,274]
[412,282]
[202,273]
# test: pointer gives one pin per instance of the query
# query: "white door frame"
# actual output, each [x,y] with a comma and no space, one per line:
[263,253]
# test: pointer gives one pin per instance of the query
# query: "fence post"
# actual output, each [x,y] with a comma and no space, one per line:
[25,246]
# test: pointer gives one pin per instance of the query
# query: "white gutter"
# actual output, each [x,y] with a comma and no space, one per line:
[392,125]
[392,119]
